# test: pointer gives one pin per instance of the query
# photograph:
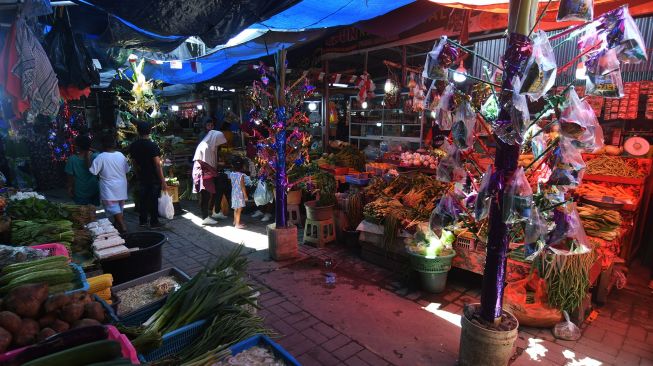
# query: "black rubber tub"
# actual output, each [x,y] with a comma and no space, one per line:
[140,262]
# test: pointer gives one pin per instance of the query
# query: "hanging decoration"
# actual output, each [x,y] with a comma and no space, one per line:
[365,88]
[63,131]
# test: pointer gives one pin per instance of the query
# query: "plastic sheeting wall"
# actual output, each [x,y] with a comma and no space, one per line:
[493,49]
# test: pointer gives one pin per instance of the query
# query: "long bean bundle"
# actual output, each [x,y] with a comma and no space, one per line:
[567,278]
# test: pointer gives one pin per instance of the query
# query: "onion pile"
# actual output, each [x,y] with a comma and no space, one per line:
[409,159]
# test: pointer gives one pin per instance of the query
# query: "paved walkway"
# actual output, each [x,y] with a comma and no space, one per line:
[370,317]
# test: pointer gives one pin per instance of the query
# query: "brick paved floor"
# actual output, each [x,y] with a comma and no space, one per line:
[621,335]
[316,325]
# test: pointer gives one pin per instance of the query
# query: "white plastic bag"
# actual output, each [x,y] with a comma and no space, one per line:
[541,69]
[566,330]
[166,209]
[262,195]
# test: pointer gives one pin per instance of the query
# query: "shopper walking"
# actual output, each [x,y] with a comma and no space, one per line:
[111,167]
[205,162]
[146,156]
[83,186]
[238,191]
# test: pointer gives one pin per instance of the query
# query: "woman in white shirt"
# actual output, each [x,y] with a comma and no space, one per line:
[111,167]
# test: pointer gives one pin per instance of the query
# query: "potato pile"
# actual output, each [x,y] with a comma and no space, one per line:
[28,315]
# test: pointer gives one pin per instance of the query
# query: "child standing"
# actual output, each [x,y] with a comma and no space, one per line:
[238,191]
[111,167]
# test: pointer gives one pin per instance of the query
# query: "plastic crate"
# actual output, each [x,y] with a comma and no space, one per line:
[54,249]
[264,341]
[135,315]
[111,315]
[175,341]
[81,280]
[128,350]
[359,179]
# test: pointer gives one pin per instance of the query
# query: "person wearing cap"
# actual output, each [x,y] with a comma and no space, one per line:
[83,187]
[146,157]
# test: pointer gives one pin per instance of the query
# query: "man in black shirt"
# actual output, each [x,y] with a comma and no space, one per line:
[146,157]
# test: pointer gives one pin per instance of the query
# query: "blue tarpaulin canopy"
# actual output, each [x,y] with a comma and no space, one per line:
[306,15]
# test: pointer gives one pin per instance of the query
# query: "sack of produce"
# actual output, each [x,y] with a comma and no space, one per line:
[166,208]
[532,313]
[541,68]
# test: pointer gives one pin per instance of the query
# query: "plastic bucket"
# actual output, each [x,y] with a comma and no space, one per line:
[140,262]
[294,197]
[433,282]
[483,347]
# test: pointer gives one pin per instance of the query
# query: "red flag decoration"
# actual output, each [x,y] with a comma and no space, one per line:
[352,79]
[337,79]
[321,76]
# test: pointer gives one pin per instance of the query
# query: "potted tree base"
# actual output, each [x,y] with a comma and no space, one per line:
[483,345]
[282,242]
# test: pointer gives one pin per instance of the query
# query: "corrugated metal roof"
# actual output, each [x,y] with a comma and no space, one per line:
[493,50]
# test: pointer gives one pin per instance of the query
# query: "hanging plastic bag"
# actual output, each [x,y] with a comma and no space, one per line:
[512,132]
[450,168]
[262,195]
[602,63]
[447,212]
[69,58]
[484,196]
[575,117]
[568,236]
[463,126]
[517,198]
[439,59]
[625,37]
[566,330]
[608,86]
[580,10]
[567,164]
[541,69]
[535,231]
[166,208]
[490,109]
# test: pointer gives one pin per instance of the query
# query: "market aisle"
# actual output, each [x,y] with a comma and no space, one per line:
[371,318]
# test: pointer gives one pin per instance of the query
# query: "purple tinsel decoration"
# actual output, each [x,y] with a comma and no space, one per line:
[280,178]
[518,50]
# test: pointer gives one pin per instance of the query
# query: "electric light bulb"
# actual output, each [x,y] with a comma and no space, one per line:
[312,106]
[432,114]
[174,108]
[364,105]
[200,107]
[389,86]
[460,74]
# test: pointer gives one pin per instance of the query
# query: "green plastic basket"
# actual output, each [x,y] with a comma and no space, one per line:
[431,265]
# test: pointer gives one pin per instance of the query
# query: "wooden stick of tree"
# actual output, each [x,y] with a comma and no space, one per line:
[494,275]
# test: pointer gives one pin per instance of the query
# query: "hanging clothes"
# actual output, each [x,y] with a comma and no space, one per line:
[10,81]
[38,80]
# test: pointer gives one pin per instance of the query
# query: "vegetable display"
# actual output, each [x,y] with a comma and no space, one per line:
[53,271]
[428,244]
[349,156]
[11,255]
[600,223]
[418,160]
[213,292]
[626,193]
[615,166]
[34,208]
[31,232]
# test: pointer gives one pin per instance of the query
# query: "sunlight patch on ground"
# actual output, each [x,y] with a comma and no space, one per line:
[536,349]
[434,308]
[571,356]
[224,230]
